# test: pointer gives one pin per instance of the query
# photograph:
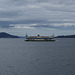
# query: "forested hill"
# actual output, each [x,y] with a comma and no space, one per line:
[6,35]
[66,36]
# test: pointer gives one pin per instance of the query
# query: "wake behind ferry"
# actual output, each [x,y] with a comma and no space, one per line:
[39,38]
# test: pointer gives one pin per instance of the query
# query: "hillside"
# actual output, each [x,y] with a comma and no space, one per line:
[66,36]
[6,35]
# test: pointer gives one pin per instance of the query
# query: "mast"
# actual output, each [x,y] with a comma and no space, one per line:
[26,35]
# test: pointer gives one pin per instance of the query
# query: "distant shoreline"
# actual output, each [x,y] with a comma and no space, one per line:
[6,35]
[65,36]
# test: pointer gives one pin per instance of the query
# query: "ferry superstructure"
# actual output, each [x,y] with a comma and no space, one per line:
[39,38]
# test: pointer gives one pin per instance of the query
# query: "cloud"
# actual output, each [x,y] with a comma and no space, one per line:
[25,26]
[33,14]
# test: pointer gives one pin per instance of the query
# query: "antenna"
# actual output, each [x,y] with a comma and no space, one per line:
[26,34]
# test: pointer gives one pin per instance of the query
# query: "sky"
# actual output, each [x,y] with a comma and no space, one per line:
[43,17]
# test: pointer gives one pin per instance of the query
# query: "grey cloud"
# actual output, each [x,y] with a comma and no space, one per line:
[4,24]
[36,11]
[55,27]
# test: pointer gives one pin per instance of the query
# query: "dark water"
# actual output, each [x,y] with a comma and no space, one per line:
[18,57]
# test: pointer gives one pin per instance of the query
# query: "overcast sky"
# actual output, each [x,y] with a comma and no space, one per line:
[33,17]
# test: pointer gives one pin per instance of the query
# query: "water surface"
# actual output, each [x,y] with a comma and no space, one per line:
[18,57]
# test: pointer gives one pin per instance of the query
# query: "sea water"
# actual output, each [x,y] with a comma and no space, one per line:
[18,57]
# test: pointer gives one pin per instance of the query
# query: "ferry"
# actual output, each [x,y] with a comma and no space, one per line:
[39,38]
